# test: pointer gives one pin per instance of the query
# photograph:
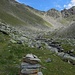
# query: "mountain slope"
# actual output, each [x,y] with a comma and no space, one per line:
[27,18]
[14,13]
[68,32]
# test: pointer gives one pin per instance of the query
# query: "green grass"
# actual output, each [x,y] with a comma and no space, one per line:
[11,57]
[67,47]
[9,19]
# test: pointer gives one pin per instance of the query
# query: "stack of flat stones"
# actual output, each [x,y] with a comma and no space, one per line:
[30,65]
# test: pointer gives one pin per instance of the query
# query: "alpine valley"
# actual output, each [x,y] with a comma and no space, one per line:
[47,34]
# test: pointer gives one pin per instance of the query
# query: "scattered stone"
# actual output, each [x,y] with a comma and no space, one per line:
[13,41]
[48,60]
[68,56]
[19,42]
[72,50]
[39,73]
[61,54]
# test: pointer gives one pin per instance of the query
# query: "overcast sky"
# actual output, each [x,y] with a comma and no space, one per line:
[45,5]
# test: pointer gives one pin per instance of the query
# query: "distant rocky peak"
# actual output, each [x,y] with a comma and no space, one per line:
[54,13]
[52,9]
[68,12]
[65,13]
[72,10]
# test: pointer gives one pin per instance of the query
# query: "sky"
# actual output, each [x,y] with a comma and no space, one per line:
[45,5]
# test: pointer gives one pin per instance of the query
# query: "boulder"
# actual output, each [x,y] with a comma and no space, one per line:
[13,41]
[61,54]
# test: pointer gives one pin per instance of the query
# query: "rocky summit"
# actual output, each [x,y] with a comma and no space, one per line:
[48,35]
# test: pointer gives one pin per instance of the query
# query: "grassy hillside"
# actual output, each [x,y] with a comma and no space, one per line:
[14,13]
[9,19]
[11,57]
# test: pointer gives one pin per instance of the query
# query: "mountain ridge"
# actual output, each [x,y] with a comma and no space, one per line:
[25,17]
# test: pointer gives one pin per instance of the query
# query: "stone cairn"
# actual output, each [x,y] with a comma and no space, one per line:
[30,65]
